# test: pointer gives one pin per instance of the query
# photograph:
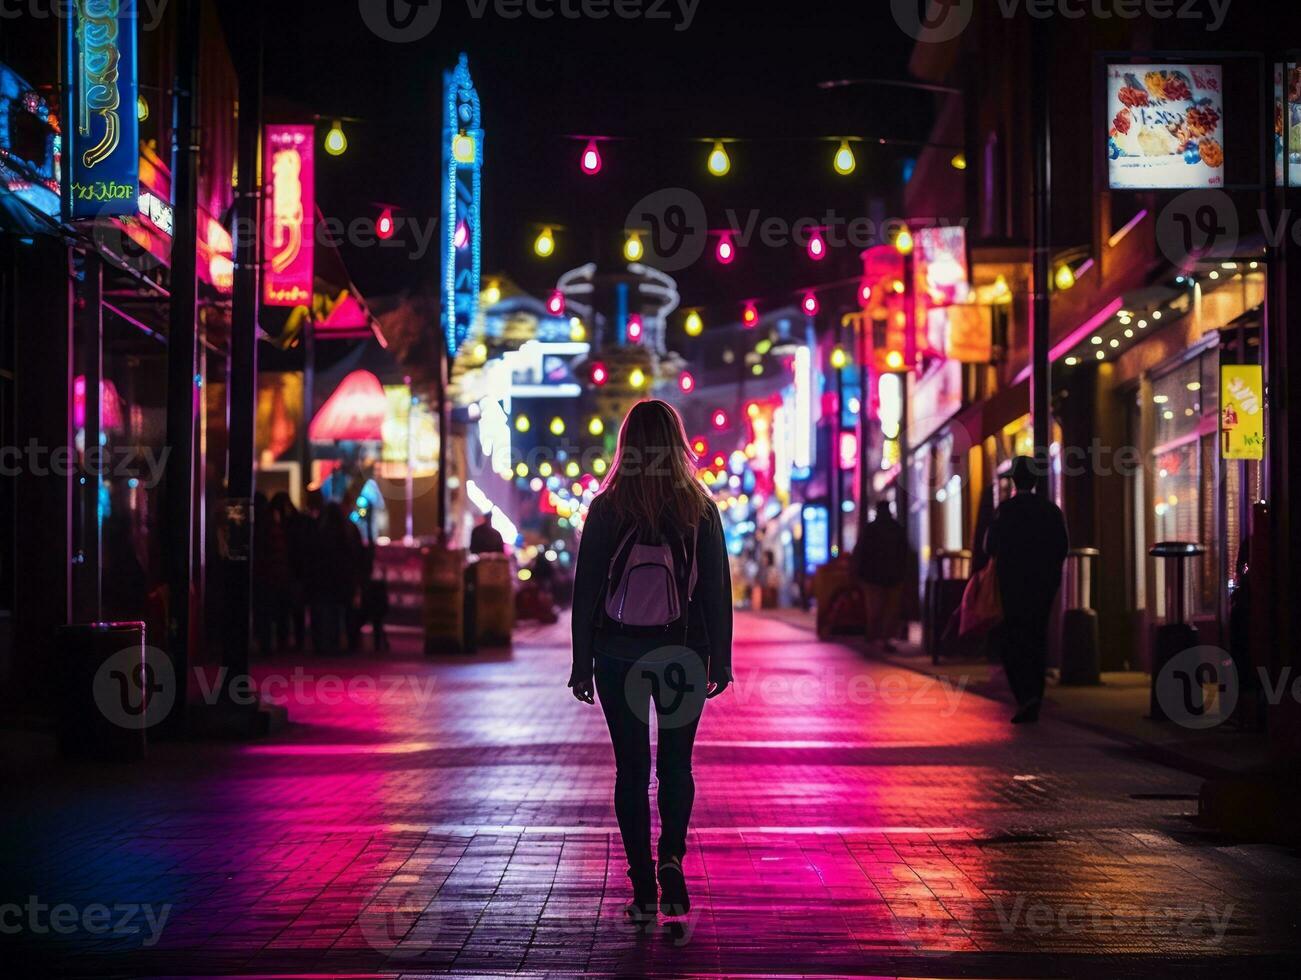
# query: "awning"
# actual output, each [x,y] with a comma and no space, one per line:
[355,412]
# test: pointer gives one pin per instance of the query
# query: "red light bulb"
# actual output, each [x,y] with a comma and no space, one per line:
[556,303]
[591,159]
[864,293]
[635,328]
[810,303]
[599,374]
[384,226]
[750,315]
[699,446]
[726,251]
[720,419]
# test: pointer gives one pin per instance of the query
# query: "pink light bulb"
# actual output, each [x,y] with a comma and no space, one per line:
[817,246]
[591,161]
[462,236]
[686,382]
[726,251]
[810,303]
[635,328]
[556,303]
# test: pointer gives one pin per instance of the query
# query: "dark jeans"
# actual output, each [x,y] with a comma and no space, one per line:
[628,689]
[1022,643]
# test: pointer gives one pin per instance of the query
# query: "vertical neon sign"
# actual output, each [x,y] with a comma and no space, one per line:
[103,133]
[289,169]
[462,171]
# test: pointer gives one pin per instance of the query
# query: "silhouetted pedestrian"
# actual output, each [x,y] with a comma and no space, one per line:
[652,625]
[486,539]
[881,562]
[1028,541]
[332,582]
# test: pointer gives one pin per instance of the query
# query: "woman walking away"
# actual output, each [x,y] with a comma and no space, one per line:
[652,626]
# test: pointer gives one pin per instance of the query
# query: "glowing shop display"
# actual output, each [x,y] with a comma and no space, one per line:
[462,194]
[30,168]
[103,130]
[289,170]
[1242,415]
[1165,126]
[803,420]
[354,412]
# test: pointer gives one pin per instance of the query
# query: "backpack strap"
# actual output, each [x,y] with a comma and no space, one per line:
[614,557]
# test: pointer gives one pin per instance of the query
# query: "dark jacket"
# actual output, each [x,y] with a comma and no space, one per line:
[1028,539]
[709,611]
[881,554]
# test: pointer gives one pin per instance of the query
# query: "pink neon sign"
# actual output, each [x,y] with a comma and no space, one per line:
[289,169]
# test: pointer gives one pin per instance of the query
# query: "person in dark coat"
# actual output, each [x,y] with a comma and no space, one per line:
[1028,542]
[336,560]
[881,562]
[486,539]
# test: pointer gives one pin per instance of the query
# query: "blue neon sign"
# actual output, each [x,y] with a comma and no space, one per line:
[462,170]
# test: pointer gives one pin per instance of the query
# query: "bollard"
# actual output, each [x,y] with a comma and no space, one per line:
[1081,658]
[1176,634]
[950,571]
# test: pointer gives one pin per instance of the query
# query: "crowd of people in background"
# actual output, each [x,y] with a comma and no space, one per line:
[313,578]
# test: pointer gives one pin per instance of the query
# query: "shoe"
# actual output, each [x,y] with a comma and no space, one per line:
[641,910]
[674,899]
[1026,714]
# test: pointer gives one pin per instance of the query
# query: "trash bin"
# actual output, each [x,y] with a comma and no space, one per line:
[1081,659]
[1176,634]
[105,690]
[444,600]
[948,577]
[490,600]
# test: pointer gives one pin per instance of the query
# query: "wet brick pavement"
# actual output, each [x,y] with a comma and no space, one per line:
[424,816]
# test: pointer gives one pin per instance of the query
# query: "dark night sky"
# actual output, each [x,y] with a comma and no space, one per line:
[739,69]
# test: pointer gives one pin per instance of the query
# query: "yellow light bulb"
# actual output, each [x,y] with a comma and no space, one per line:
[522,423]
[596,426]
[959,161]
[903,242]
[694,325]
[557,426]
[521,469]
[335,142]
[142,108]
[544,468]
[719,163]
[571,469]
[598,466]
[838,358]
[894,360]
[844,161]
[480,352]
[637,377]
[1064,277]
[544,244]
[492,295]
[632,247]
[463,148]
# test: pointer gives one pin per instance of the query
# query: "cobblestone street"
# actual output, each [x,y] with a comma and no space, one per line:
[421,816]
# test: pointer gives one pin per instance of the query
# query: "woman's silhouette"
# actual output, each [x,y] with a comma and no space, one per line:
[652,497]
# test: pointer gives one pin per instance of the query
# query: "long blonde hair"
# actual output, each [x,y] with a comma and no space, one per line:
[654,472]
